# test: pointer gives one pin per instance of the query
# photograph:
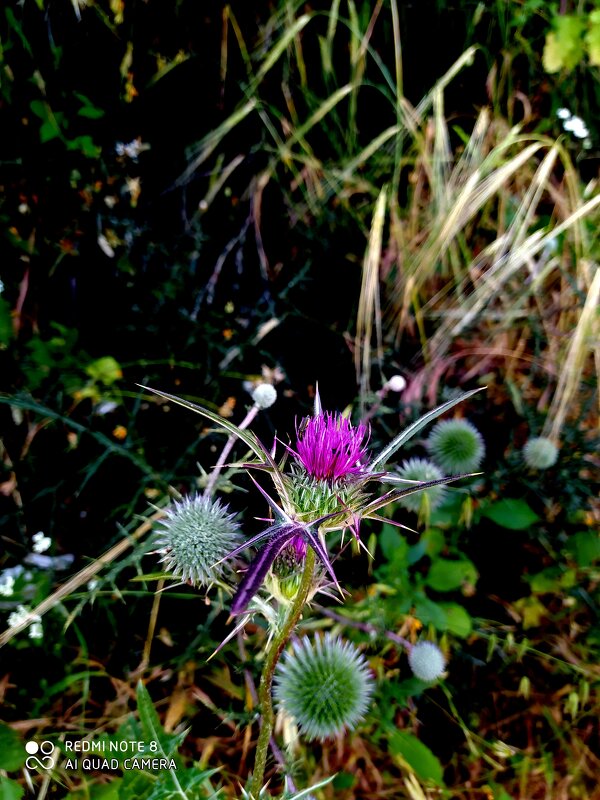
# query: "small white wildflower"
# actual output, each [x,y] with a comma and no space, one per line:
[41,543]
[563,113]
[23,208]
[110,200]
[577,127]
[264,395]
[396,384]
[93,584]
[7,585]
[1,287]
[106,407]
[36,631]
[132,149]
[15,618]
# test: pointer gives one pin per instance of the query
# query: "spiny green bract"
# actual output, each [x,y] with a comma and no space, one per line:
[419,469]
[312,498]
[326,686]
[196,534]
[456,445]
[426,661]
[540,453]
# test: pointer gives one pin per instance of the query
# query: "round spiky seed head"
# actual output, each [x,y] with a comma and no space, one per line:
[325,685]
[264,395]
[197,533]
[419,469]
[426,661]
[540,453]
[456,445]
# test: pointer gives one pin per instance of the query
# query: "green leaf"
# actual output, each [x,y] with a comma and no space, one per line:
[564,45]
[344,780]
[431,613]
[417,755]
[446,575]
[592,38]
[98,791]
[584,547]
[106,370]
[151,727]
[511,513]
[431,542]
[12,749]
[6,328]
[532,611]
[86,145]
[90,112]
[458,620]
[393,544]
[413,429]
[10,790]
[49,131]
[88,109]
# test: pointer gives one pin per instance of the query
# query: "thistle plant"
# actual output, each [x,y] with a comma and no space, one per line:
[540,453]
[426,661]
[419,470]
[325,685]
[456,445]
[328,480]
[195,536]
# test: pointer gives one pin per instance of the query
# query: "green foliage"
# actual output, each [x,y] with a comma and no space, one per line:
[564,44]
[573,38]
[10,790]
[406,747]
[12,749]
[512,513]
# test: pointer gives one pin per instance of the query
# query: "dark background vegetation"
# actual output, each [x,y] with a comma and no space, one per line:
[156,289]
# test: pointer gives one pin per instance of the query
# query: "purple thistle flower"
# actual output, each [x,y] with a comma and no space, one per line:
[329,447]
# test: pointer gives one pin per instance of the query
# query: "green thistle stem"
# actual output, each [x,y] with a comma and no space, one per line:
[266,678]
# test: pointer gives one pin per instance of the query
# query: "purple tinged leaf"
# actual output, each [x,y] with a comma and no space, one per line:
[258,569]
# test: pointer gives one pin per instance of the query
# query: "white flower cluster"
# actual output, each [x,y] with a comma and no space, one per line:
[41,542]
[7,580]
[20,615]
[131,149]
[574,125]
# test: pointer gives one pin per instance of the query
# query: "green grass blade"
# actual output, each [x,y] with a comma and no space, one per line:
[413,429]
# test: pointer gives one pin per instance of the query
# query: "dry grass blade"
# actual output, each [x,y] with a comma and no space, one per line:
[585,339]
[82,577]
[369,309]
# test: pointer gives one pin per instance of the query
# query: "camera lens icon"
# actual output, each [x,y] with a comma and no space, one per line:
[45,760]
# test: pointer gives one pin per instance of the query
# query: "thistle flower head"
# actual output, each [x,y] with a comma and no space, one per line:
[329,447]
[419,469]
[456,445]
[197,533]
[325,685]
[426,661]
[540,453]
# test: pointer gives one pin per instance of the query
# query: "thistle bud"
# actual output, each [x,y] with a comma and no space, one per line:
[456,445]
[426,661]
[540,453]
[419,469]
[197,533]
[325,685]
